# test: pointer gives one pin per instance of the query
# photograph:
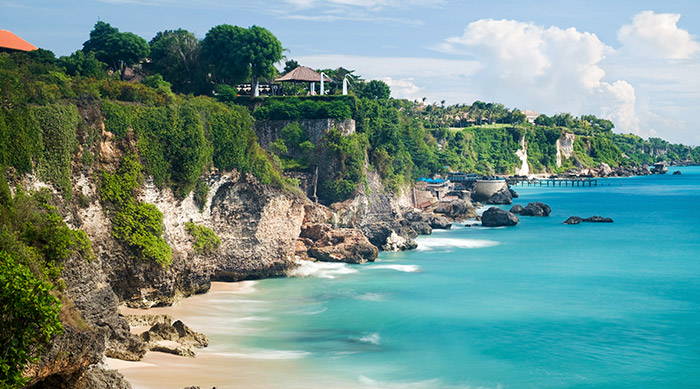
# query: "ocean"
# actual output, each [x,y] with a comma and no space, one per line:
[541,304]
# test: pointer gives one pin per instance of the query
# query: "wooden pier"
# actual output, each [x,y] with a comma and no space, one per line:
[580,182]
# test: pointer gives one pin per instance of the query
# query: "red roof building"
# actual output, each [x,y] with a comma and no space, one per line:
[11,42]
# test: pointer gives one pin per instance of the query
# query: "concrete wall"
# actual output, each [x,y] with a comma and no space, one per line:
[269,130]
[487,188]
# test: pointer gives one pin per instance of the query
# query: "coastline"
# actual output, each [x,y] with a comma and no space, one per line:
[214,366]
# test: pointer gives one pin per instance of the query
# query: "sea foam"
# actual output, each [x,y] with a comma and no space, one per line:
[403,268]
[426,244]
[320,269]
[266,354]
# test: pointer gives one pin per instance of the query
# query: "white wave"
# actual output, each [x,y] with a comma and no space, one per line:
[267,354]
[403,268]
[307,311]
[367,382]
[320,269]
[449,243]
[372,338]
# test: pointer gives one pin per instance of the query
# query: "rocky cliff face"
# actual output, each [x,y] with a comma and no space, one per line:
[565,147]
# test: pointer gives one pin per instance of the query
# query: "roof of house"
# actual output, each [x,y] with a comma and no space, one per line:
[9,40]
[529,112]
[302,73]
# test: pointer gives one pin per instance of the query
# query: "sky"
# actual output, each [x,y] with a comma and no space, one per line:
[635,62]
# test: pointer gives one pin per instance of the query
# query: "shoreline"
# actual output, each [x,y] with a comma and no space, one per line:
[215,365]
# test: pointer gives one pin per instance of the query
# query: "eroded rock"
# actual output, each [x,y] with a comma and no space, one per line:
[496,217]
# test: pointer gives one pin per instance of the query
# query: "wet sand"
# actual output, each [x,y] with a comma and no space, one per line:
[218,365]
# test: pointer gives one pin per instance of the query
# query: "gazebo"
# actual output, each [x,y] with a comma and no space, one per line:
[304,74]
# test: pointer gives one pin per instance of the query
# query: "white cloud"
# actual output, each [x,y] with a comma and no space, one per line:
[547,69]
[657,35]
[409,77]
[404,89]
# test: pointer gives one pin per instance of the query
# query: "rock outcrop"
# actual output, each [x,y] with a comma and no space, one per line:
[503,196]
[592,219]
[174,338]
[324,243]
[598,219]
[516,209]
[496,217]
[535,209]
[573,220]
[456,209]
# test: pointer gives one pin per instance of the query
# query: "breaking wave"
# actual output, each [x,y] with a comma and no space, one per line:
[426,244]
[403,268]
[320,269]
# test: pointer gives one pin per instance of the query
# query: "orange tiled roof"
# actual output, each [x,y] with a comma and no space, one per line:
[9,40]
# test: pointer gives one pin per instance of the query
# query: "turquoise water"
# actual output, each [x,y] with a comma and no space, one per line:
[541,304]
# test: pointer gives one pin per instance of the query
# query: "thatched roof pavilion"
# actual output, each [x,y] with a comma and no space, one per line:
[303,74]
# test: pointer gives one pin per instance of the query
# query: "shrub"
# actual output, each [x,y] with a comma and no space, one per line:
[30,317]
[205,240]
[138,224]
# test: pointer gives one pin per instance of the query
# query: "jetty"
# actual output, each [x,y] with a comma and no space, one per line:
[580,182]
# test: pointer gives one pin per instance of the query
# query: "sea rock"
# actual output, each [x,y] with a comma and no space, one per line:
[419,221]
[175,338]
[422,228]
[513,193]
[536,209]
[440,223]
[456,209]
[598,219]
[496,217]
[503,196]
[573,220]
[677,173]
[390,235]
[516,209]
[337,245]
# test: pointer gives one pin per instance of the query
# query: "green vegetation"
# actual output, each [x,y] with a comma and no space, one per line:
[347,154]
[205,240]
[58,124]
[34,243]
[295,108]
[138,224]
[236,54]
[116,49]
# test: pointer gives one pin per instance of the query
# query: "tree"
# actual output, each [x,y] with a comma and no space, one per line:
[264,50]
[544,120]
[236,53]
[375,89]
[290,65]
[81,64]
[117,49]
[176,56]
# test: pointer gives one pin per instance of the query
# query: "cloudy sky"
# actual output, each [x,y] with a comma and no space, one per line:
[634,62]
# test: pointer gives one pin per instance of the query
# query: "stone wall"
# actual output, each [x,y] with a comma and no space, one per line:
[269,130]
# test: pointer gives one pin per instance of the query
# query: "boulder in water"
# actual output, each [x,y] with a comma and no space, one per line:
[496,217]
[598,219]
[536,209]
[516,209]
[677,173]
[573,220]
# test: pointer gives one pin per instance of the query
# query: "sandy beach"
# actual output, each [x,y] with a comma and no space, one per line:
[219,365]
